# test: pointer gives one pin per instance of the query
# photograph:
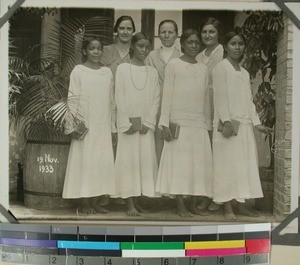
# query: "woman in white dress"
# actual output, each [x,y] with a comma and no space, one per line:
[210,31]
[236,175]
[137,96]
[186,163]
[159,58]
[113,55]
[90,168]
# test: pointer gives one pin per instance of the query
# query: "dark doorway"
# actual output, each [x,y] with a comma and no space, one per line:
[194,18]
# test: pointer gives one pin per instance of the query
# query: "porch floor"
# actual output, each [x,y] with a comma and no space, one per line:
[161,212]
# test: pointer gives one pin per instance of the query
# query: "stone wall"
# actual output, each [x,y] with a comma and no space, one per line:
[283,132]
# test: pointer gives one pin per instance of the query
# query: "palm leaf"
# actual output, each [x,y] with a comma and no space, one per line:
[39,81]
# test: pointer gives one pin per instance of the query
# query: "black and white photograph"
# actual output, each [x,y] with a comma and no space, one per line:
[139,112]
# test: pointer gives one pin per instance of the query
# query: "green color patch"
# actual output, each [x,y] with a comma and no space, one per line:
[151,245]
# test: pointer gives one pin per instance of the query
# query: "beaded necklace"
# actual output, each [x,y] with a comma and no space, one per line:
[132,79]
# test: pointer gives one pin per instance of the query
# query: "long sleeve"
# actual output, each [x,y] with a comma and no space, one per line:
[72,102]
[220,93]
[113,107]
[167,97]
[150,120]
[122,114]
[207,106]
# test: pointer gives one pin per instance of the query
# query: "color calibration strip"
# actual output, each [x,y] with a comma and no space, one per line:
[79,245]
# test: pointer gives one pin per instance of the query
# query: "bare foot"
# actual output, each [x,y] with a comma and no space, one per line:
[228,211]
[100,209]
[85,207]
[242,209]
[85,210]
[94,202]
[204,204]
[181,209]
[119,201]
[140,208]
[184,213]
[104,201]
[132,211]
[214,206]
[197,211]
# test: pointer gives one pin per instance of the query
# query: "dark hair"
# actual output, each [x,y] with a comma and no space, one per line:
[186,34]
[136,37]
[211,21]
[121,19]
[85,43]
[168,21]
[235,32]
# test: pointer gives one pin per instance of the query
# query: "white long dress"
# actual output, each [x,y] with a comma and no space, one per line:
[90,169]
[156,59]
[186,163]
[137,95]
[236,174]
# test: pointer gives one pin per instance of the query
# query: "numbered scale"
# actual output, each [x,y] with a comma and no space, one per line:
[83,245]
[78,260]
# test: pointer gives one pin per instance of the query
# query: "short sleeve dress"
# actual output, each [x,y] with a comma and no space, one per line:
[90,169]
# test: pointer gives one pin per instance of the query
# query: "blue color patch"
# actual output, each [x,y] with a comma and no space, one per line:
[88,245]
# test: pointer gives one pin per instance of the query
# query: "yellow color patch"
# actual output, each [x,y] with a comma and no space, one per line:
[215,244]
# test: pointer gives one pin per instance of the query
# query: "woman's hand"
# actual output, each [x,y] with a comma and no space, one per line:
[144,130]
[130,131]
[227,129]
[264,129]
[166,134]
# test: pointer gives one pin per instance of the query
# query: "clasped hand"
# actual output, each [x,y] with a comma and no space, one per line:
[166,134]
[227,129]
[264,129]
[144,130]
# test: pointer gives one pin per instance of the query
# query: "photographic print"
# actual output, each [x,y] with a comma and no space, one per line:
[139,112]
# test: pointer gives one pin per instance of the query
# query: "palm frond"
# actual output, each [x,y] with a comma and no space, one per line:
[39,81]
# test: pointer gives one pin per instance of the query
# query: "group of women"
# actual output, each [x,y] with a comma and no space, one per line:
[141,94]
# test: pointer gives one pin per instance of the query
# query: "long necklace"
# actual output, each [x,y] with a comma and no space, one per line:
[132,80]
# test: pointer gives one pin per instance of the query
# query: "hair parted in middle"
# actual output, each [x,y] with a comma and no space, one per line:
[211,21]
[121,19]
[168,21]
[237,31]
[136,37]
[186,34]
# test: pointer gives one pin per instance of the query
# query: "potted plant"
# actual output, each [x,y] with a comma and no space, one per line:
[261,32]
[37,102]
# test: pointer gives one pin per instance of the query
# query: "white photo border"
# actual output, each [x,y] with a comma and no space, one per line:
[150,4]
